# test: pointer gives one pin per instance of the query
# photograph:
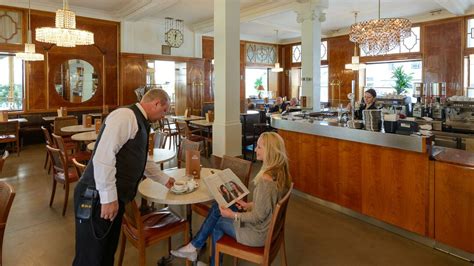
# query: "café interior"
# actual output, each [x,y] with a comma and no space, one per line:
[393,185]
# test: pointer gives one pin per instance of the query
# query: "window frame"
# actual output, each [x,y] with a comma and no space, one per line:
[23,83]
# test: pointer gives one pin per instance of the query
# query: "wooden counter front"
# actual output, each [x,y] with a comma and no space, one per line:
[389,184]
[454,205]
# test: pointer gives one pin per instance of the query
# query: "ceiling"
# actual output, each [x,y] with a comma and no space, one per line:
[259,18]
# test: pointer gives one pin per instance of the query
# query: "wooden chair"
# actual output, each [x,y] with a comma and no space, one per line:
[61,174]
[186,133]
[274,242]
[240,167]
[80,156]
[170,131]
[7,194]
[79,167]
[2,160]
[186,145]
[144,231]
[10,133]
[60,122]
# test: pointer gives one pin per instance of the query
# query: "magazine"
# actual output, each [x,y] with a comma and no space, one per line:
[226,187]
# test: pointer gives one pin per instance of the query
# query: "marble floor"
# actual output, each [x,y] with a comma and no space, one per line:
[315,235]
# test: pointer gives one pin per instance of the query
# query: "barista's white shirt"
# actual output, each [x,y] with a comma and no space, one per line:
[121,126]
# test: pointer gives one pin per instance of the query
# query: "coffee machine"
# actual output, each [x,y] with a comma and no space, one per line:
[460,115]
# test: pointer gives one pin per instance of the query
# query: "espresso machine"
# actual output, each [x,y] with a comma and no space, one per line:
[460,116]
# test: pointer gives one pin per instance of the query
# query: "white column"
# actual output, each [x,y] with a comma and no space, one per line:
[310,15]
[197,45]
[227,130]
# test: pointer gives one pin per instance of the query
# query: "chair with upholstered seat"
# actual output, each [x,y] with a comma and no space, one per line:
[10,133]
[240,167]
[81,156]
[7,194]
[61,174]
[274,242]
[186,133]
[144,231]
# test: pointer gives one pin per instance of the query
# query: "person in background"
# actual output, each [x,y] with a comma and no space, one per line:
[368,104]
[293,102]
[279,106]
[251,106]
[115,169]
[247,222]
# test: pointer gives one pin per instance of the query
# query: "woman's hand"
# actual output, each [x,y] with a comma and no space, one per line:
[242,205]
[226,212]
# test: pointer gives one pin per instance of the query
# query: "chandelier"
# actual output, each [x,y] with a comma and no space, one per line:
[379,36]
[277,67]
[29,54]
[65,33]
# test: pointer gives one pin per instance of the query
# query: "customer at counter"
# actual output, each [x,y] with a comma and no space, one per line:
[368,103]
[279,106]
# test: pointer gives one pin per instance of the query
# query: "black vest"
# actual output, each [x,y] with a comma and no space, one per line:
[130,160]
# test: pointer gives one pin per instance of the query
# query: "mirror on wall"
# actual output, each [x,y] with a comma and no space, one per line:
[76,80]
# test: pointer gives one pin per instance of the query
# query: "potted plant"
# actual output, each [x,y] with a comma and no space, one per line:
[402,80]
[259,86]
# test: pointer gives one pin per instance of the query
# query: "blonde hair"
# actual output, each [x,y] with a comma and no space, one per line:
[275,161]
[156,93]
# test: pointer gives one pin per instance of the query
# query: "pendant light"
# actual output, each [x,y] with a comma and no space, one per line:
[65,33]
[277,67]
[355,65]
[29,54]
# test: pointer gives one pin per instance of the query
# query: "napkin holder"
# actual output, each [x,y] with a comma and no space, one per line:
[62,112]
[4,116]
[187,113]
[210,116]
[98,124]
[193,163]
[86,120]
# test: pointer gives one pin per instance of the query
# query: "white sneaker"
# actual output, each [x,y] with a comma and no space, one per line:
[189,255]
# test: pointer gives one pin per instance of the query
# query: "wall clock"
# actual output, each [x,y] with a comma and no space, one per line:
[174,38]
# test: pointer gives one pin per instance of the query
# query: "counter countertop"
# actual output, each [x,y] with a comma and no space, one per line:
[453,156]
[325,129]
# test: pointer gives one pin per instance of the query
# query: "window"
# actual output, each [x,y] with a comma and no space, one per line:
[11,26]
[379,76]
[253,78]
[407,45]
[470,33]
[296,52]
[11,83]
[261,54]
[468,77]
[324,97]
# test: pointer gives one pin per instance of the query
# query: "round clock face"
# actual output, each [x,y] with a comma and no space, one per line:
[174,38]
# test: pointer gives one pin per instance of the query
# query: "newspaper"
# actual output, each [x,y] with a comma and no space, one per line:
[226,187]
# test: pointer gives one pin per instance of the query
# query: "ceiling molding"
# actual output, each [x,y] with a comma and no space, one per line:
[278,26]
[457,7]
[139,9]
[249,14]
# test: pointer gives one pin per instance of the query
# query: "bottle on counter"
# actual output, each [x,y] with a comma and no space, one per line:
[418,110]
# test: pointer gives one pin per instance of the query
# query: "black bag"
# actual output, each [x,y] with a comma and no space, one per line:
[87,203]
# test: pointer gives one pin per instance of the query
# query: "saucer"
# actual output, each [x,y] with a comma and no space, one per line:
[179,191]
[185,191]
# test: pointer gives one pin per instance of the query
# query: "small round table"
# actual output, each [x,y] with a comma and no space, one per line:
[85,136]
[162,155]
[91,146]
[77,129]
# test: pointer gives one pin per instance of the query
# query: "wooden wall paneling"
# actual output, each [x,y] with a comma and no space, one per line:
[454,206]
[208,47]
[195,85]
[40,93]
[443,54]
[132,76]
[340,52]
[286,65]
[327,168]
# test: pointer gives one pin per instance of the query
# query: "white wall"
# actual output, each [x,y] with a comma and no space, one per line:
[144,37]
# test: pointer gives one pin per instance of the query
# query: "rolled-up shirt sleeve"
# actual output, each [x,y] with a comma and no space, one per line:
[120,126]
[153,171]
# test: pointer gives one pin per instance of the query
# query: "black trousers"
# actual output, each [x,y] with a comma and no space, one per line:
[94,246]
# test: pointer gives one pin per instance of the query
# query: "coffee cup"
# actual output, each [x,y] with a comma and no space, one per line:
[192,184]
[180,185]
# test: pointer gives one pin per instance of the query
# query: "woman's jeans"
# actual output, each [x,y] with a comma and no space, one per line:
[216,225]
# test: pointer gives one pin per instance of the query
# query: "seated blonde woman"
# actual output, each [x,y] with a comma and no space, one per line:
[247,222]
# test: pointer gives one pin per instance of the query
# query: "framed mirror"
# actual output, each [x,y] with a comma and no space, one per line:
[76,80]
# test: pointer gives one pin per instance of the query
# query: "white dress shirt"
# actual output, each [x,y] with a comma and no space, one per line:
[121,126]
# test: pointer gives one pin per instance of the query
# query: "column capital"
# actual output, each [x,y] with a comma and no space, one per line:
[311,9]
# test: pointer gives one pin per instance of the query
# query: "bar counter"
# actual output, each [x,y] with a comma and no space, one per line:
[388,177]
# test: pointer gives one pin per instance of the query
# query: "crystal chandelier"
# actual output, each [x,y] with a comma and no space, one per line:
[29,54]
[277,67]
[65,33]
[379,36]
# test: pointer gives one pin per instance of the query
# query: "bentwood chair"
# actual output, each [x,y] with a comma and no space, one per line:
[186,145]
[240,167]
[2,160]
[186,133]
[61,174]
[274,242]
[79,167]
[10,133]
[80,156]
[149,229]
[7,194]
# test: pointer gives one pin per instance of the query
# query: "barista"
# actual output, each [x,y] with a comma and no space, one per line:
[367,104]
